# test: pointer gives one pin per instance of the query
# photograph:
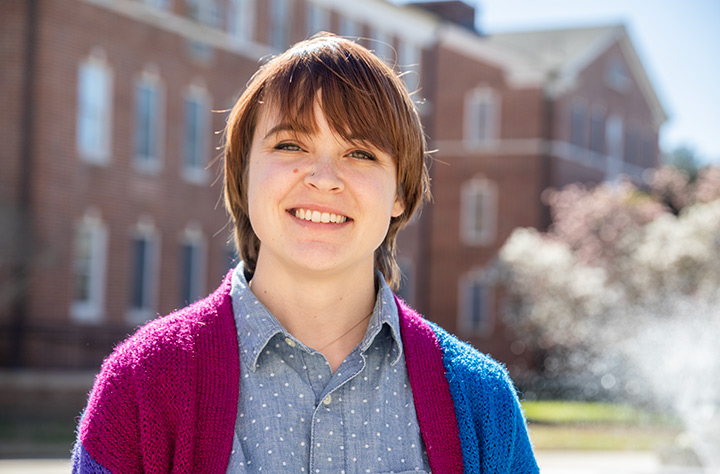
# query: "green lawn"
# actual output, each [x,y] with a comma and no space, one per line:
[597,426]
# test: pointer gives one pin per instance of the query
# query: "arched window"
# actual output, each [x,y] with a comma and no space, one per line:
[94,108]
[89,265]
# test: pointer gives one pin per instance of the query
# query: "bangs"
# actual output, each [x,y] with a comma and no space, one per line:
[363,101]
[358,96]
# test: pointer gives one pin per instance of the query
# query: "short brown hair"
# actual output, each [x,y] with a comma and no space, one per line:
[361,97]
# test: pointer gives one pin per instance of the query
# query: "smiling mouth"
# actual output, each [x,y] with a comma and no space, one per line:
[317,216]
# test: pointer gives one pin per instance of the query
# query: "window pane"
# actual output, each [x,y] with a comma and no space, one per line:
[316,19]
[479,208]
[82,264]
[144,104]
[140,250]
[597,132]
[577,125]
[189,271]
[478,302]
[93,102]
[279,23]
[240,18]
[192,133]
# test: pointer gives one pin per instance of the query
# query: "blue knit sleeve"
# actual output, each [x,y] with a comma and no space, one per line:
[493,431]
[83,463]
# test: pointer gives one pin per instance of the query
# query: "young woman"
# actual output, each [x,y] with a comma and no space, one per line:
[303,360]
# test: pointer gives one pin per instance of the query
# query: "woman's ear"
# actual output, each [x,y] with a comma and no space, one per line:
[398,207]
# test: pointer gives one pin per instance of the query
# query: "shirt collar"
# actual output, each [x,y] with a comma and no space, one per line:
[256,325]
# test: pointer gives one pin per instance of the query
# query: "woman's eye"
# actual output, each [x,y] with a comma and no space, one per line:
[362,155]
[287,147]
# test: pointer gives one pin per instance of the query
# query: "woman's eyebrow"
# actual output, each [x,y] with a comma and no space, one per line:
[286,127]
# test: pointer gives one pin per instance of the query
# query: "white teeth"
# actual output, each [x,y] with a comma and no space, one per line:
[317,216]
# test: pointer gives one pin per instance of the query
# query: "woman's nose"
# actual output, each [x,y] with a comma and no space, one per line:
[324,175]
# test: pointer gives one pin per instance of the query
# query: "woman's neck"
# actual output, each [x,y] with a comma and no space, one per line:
[328,313]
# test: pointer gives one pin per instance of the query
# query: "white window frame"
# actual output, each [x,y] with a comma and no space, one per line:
[382,45]
[466,319]
[410,64]
[482,117]
[241,20]
[196,171]
[94,109]
[150,163]
[193,237]
[279,31]
[478,191]
[317,18]
[90,309]
[147,231]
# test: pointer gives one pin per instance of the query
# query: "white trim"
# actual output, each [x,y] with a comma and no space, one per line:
[519,70]
[566,79]
[643,81]
[465,285]
[478,191]
[409,24]
[241,20]
[511,146]
[280,24]
[184,27]
[91,310]
[481,99]
[531,148]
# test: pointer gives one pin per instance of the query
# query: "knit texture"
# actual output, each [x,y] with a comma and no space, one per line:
[431,392]
[468,400]
[493,430]
[166,400]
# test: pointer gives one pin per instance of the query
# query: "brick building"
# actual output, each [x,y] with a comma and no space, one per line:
[513,115]
[109,203]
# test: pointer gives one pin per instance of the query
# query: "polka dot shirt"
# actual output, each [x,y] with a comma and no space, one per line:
[295,415]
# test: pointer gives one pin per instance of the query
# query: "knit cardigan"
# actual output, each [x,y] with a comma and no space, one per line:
[166,399]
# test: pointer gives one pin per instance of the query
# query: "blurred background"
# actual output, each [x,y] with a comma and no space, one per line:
[574,233]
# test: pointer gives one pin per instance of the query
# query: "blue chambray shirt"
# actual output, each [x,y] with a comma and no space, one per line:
[295,415]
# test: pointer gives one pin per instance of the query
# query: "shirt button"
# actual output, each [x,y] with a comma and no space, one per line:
[290,342]
[327,400]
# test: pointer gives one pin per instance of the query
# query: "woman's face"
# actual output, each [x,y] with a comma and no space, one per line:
[316,201]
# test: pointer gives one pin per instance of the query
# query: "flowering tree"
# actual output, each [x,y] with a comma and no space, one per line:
[615,260]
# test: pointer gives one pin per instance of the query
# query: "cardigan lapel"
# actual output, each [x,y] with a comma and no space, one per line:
[431,392]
